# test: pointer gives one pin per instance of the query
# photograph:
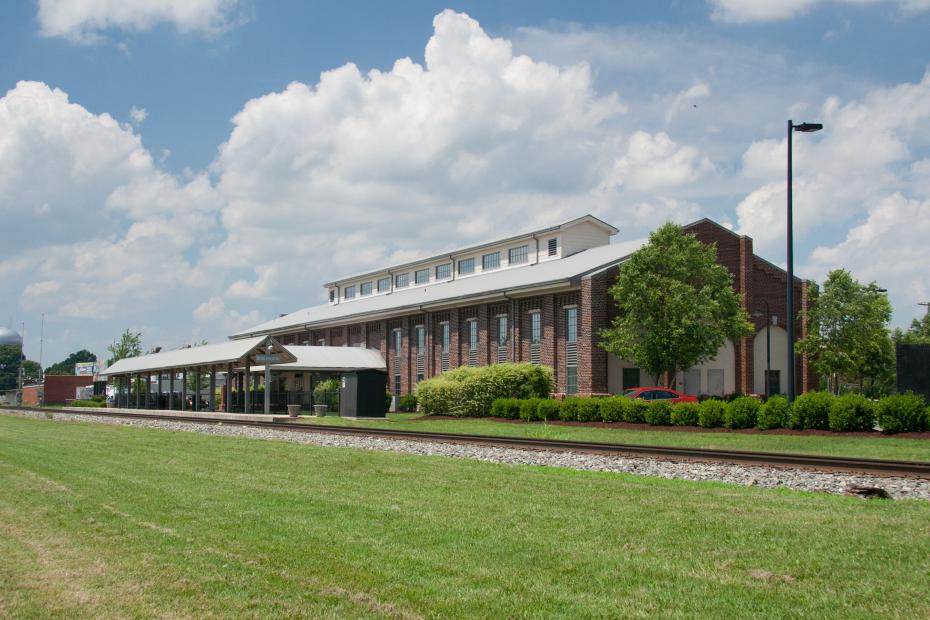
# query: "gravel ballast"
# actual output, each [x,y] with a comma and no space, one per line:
[747,475]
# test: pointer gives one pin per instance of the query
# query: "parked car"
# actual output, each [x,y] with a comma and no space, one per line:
[667,395]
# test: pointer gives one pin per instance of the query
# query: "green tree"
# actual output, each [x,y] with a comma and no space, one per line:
[676,305]
[128,345]
[848,341]
[32,372]
[66,366]
[917,333]
[10,358]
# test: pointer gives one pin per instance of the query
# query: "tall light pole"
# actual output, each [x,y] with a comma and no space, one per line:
[807,128]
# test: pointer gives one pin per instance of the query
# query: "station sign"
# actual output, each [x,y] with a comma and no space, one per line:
[268,358]
[84,369]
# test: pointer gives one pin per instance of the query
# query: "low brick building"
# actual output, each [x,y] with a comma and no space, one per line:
[539,297]
[55,389]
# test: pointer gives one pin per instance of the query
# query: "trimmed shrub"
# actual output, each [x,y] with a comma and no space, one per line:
[773,414]
[612,408]
[852,412]
[903,413]
[711,413]
[568,412]
[658,413]
[685,414]
[635,411]
[548,409]
[388,397]
[812,410]
[741,413]
[528,409]
[589,410]
[470,391]
[407,403]
[506,408]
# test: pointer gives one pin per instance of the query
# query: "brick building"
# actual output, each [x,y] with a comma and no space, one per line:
[539,297]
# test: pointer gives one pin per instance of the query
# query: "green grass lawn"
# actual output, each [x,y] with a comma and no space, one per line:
[877,447]
[116,521]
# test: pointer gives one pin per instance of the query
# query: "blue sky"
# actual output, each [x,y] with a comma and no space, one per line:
[242,182]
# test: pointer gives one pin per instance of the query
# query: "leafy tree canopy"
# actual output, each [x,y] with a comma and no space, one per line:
[128,345]
[676,305]
[66,366]
[10,358]
[848,339]
[917,333]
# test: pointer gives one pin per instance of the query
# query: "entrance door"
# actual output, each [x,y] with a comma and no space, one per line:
[715,382]
[693,381]
[630,378]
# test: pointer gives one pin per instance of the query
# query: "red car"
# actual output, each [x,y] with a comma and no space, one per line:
[667,395]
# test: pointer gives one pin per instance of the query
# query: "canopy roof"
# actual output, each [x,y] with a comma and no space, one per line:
[236,352]
[333,359]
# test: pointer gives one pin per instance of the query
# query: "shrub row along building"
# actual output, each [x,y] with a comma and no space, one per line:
[539,297]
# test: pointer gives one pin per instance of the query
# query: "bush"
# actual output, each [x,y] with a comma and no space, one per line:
[469,391]
[569,410]
[612,409]
[635,411]
[658,414]
[589,410]
[852,412]
[774,413]
[903,413]
[407,403]
[685,414]
[529,409]
[87,403]
[711,413]
[812,410]
[741,413]
[506,408]
[548,409]
[388,397]
[100,398]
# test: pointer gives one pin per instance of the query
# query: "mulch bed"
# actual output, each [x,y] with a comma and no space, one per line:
[691,429]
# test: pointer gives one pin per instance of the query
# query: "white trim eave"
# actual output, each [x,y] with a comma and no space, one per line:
[506,295]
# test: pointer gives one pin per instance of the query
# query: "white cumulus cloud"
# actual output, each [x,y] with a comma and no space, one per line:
[744,11]
[83,21]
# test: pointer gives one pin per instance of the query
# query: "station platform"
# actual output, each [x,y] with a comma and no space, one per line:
[238,417]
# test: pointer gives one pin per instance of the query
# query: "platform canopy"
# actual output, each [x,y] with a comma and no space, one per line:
[238,353]
[331,359]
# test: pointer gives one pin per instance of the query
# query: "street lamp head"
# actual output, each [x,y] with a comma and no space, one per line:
[808,127]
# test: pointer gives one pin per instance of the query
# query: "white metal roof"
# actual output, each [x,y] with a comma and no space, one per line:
[611,230]
[206,355]
[332,358]
[506,281]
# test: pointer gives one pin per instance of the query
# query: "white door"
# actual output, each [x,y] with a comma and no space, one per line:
[715,382]
[693,381]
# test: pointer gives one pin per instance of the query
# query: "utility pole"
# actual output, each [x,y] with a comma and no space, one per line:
[22,365]
[41,344]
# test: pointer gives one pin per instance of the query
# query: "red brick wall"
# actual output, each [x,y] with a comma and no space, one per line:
[59,388]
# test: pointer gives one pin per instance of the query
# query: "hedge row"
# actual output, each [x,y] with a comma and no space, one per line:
[470,391]
[814,410]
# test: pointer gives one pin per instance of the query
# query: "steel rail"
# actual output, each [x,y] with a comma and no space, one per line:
[778,459]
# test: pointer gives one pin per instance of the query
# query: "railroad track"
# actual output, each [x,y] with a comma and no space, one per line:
[884,467]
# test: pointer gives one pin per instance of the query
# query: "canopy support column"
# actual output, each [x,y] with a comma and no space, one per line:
[158,401]
[138,391]
[227,389]
[171,374]
[212,400]
[197,374]
[248,388]
[148,390]
[267,387]
[184,390]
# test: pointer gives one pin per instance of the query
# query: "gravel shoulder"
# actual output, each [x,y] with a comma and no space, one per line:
[747,475]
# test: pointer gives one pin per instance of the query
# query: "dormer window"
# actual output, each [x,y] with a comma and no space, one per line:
[402,280]
[421,276]
[332,295]
[466,266]
[349,292]
[365,288]
[444,272]
[384,285]
[516,256]
[491,261]
[553,246]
